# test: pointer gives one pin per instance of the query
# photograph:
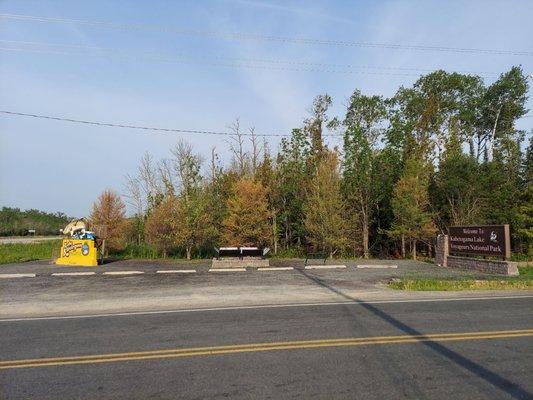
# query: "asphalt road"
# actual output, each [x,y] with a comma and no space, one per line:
[435,349]
[27,239]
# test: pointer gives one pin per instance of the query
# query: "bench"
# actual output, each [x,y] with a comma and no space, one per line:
[241,252]
[316,256]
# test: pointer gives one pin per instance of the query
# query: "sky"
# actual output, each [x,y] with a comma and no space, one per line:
[198,65]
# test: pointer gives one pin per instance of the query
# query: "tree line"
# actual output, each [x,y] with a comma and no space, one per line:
[445,151]
[16,222]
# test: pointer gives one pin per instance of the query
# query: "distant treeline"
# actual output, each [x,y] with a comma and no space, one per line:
[15,222]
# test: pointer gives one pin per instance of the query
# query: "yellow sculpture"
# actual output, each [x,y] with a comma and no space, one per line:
[80,247]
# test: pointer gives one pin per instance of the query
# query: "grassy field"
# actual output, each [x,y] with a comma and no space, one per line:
[523,281]
[19,252]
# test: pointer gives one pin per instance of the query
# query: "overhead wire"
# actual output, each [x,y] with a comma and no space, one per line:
[229,62]
[267,38]
[139,127]
[158,129]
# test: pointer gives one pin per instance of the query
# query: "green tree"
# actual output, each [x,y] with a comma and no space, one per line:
[14,221]
[363,131]
[190,222]
[160,224]
[410,204]
[324,219]
[457,189]
[501,104]
[292,177]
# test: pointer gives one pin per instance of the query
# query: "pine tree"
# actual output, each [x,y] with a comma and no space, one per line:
[159,227]
[108,216]
[410,204]
[247,221]
[190,224]
[292,177]
[324,219]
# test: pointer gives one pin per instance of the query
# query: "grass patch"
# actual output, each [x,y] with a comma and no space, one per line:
[523,281]
[526,270]
[462,284]
[20,252]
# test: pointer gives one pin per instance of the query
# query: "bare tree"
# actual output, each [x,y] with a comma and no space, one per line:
[214,168]
[148,177]
[134,197]
[257,149]
[166,175]
[187,165]
[236,145]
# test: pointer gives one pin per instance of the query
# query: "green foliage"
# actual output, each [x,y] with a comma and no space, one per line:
[410,204]
[324,208]
[361,163]
[291,182]
[458,192]
[444,151]
[526,270]
[19,252]
[15,222]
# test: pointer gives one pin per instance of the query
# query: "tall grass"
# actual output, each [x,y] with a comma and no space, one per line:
[20,252]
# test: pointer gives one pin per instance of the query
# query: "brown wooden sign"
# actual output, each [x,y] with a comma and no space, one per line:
[484,240]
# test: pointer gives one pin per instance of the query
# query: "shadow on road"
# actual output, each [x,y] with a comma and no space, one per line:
[511,388]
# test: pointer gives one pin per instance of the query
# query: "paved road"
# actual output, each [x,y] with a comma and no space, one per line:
[27,239]
[461,356]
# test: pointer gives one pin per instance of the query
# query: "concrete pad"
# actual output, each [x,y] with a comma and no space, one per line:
[228,263]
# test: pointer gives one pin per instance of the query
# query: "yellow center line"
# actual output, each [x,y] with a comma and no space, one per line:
[257,347]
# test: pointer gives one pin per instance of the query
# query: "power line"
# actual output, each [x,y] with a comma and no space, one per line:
[155,129]
[214,63]
[239,59]
[227,62]
[267,38]
[129,126]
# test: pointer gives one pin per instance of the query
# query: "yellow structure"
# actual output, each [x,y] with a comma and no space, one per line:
[78,252]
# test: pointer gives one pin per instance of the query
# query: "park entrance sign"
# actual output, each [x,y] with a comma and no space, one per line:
[483,240]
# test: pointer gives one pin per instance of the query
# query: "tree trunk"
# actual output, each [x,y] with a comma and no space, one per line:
[189,251]
[403,246]
[365,236]
[286,234]
[414,249]
[275,233]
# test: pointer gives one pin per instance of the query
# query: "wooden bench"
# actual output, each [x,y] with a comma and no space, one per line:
[316,256]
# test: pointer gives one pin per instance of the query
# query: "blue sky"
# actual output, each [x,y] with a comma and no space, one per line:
[139,78]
